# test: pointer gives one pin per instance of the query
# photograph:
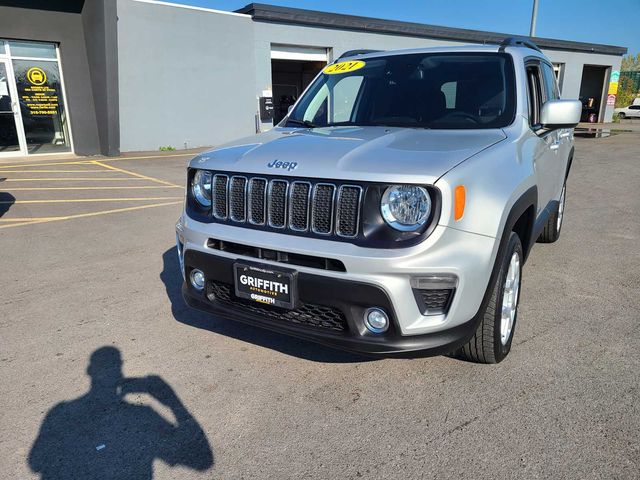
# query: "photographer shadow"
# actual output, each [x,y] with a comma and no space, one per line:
[101,435]
[172,279]
[6,201]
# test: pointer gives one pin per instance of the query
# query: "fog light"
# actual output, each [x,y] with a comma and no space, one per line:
[376,320]
[197,279]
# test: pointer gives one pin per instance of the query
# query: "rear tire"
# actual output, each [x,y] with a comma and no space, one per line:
[551,231]
[491,342]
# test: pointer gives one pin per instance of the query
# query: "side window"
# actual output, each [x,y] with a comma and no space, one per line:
[345,94]
[634,107]
[536,96]
[551,84]
[334,102]
[316,111]
[450,89]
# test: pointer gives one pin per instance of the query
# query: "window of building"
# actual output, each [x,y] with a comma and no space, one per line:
[33,49]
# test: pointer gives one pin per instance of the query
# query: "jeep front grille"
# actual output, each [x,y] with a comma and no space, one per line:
[257,200]
[319,207]
[322,209]
[219,196]
[348,203]
[277,202]
[237,196]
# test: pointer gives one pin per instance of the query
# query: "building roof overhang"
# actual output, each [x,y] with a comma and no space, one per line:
[296,16]
[67,6]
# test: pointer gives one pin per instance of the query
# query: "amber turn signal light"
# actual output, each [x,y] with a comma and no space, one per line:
[459,200]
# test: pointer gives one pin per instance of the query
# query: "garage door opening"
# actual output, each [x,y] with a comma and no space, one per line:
[592,92]
[292,70]
[289,79]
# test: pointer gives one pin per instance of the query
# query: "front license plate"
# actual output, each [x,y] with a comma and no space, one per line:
[262,284]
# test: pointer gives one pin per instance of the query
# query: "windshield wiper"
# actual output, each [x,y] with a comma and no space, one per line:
[304,123]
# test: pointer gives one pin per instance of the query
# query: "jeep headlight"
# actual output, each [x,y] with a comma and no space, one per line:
[405,207]
[201,187]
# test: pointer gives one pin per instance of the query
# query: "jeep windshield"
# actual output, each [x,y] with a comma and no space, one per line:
[424,90]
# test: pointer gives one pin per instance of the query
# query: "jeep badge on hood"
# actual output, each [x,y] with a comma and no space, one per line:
[284,165]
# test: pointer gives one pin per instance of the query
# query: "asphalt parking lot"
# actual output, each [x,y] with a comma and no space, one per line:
[89,278]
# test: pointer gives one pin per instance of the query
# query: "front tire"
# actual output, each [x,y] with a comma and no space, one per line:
[491,342]
[621,115]
[551,231]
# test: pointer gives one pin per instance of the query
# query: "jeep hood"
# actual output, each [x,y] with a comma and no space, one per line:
[387,154]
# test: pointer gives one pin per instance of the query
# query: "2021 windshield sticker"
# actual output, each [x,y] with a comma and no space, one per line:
[344,67]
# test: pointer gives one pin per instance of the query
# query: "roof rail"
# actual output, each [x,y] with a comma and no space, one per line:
[518,42]
[355,53]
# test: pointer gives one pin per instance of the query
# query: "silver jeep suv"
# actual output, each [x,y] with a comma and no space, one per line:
[392,210]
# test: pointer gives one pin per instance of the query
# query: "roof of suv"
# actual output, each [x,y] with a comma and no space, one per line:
[453,49]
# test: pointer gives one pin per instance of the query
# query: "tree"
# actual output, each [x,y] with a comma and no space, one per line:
[629,83]
[630,63]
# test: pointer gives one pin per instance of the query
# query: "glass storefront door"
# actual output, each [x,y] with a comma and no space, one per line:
[33,118]
[9,142]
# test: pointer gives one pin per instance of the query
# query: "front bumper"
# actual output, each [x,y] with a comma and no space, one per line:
[338,304]
[447,251]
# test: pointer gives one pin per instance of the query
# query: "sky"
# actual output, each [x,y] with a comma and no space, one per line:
[596,21]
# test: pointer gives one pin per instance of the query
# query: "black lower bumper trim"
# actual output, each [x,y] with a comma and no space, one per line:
[351,298]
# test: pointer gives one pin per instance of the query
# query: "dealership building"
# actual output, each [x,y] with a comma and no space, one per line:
[108,76]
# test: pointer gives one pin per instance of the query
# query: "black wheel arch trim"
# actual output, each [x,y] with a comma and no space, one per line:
[527,200]
[570,162]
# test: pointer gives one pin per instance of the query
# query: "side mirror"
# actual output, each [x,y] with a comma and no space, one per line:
[289,108]
[560,114]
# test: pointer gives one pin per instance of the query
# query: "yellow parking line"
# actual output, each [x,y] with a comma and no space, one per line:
[110,159]
[147,157]
[71,179]
[92,214]
[27,219]
[82,200]
[14,224]
[59,171]
[47,164]
[152,179]
[24,189]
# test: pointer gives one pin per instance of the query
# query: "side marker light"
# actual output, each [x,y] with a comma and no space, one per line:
[460,195]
